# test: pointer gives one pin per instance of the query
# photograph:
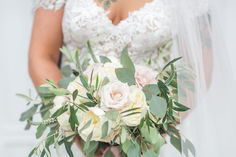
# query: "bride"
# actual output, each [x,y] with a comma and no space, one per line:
[145,26]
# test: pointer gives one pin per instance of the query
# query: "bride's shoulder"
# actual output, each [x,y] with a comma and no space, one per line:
[49,4]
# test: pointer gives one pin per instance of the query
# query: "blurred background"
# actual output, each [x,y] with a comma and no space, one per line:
[16,17]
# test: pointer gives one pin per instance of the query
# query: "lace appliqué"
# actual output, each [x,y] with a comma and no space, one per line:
[143,30]
[49,4]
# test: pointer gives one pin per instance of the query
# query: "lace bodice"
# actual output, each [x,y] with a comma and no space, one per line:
[143,30]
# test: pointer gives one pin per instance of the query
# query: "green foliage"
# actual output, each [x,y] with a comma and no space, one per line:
[112,114]
[109,153]
[149,153]
[40,130]
[64,82]
[158,106]
[73,118]
[27,98]
[29,113]
[86,126]
[176,142]
[162,99]
[180,107]
[105,130]
[123,135]
[125,75]
[126,61]
[150,90]
[68,148]
[104,59]
[134,150]
[66,71]
[92,147]
[91,52]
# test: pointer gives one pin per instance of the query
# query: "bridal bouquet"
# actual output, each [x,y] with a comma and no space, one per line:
[111,101]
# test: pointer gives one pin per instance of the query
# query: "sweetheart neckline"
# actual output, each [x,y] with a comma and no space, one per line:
[130,13]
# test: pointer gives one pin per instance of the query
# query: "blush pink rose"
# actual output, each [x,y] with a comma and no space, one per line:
[114,95]
[144,75]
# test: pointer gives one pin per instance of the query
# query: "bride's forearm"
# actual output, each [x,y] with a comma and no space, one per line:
[46,40]
[41,69]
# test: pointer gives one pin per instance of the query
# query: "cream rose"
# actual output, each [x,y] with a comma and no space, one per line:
[109,69]
[97,117]
[97,70]
[137,100]
[144,75]
[63,119]
[77,85]
[114,95]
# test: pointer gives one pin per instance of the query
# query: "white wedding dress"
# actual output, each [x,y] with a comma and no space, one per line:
[144,31]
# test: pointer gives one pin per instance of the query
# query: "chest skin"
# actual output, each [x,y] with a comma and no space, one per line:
[120,9]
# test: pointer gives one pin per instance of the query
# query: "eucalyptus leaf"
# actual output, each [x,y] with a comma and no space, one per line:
[112,114]
[68,148]
[84,82]
[29,113]
[126,61]
[40,130]
[58,91]
[125,146]
[91,52]
[75,94]
[150,90]
[59,112]
[149,153]
[32,152]
[64,82]
[134,151]
[158,106]
[125,75]
[176,142]
[27,98]
[73,118]
[105,81]
[85,126]
[123,135]
[92,147]
[66,71]
[104,59]
[171,62]
[181,107]
[105,129]
[109,153]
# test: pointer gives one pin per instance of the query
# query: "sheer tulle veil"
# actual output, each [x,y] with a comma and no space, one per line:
[207,84]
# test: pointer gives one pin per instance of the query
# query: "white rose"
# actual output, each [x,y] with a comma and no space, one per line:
[109,70]
[97,117]
[137,100]
[114,95]
[64,123]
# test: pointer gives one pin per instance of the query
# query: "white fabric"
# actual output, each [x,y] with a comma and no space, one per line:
[143,31]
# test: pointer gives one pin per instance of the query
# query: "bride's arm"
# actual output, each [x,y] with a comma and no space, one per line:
[44,47]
